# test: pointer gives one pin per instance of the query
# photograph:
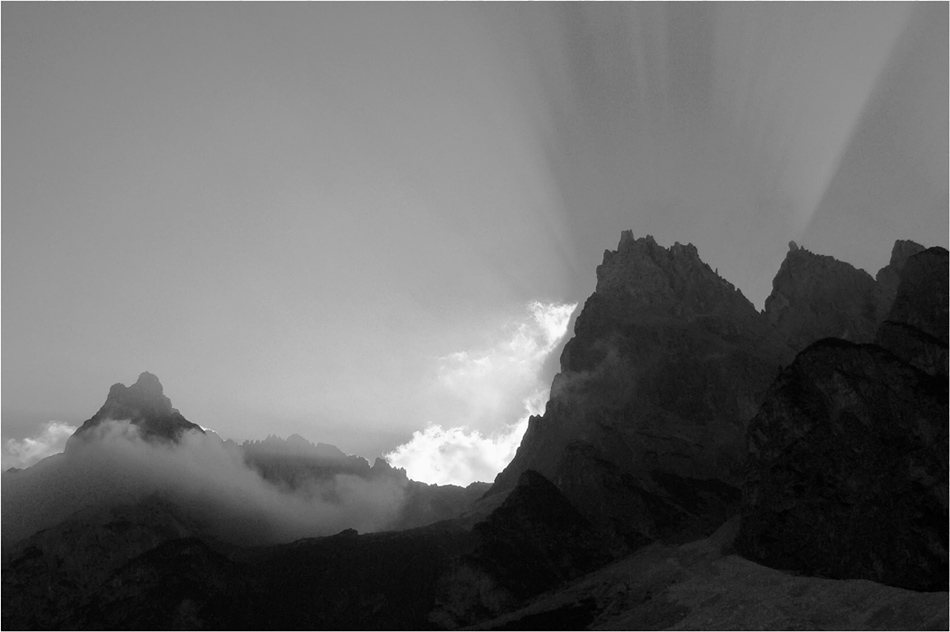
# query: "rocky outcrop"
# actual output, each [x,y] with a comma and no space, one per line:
[889,277]
[916,327]
[644,431]
[816,296]
[145,406]
[847,473]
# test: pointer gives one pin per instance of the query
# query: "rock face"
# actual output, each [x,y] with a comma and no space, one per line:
[847,474]
[889,277]
[916,327]
[816,296]
[644,431]
[145,406]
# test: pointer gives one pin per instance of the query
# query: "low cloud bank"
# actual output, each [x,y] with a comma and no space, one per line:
[26,452]
[485,383]
[206,477]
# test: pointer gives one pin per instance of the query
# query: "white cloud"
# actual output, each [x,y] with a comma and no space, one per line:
[490,387]
[26,452]
[457,455]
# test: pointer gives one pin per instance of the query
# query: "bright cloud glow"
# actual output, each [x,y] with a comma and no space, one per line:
[26,452]
[457,455]
[490,387]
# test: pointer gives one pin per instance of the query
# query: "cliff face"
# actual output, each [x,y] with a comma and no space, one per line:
[644,431]
[847,474]
[848,455]
[816,296]
[916,327]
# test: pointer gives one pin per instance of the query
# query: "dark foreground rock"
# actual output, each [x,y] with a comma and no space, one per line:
[847,473]
[704,585]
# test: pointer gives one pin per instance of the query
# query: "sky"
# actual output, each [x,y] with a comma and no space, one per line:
[371,224]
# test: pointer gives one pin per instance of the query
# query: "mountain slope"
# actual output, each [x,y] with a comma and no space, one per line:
[848,455]
[645,428]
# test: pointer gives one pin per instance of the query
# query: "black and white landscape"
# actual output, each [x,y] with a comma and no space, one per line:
[372,367]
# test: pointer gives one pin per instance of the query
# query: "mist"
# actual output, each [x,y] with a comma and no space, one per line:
[205,477]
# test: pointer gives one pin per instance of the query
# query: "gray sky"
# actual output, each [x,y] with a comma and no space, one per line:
[308,217]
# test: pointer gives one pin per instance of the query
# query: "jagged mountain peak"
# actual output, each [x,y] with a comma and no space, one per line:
[144,405]
[646,276]
[903,250]
[817,296]
[146,396]
[298,445]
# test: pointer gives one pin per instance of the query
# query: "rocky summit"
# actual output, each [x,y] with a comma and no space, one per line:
[145,406]
[645,428]
[816,296]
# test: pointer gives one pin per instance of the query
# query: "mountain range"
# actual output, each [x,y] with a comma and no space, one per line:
[700,464]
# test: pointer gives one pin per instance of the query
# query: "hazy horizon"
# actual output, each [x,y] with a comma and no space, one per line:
[371,225]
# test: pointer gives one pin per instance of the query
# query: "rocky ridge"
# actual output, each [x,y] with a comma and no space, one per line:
[645,428]
[847,472]
[665,411]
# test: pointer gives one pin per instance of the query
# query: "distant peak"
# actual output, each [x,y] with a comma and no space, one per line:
[148,384]
[145,405]
[147,379]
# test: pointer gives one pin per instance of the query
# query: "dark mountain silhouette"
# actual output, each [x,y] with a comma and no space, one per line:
[916,326]
[694,450]
[145,406]
[645,428]
[847,473]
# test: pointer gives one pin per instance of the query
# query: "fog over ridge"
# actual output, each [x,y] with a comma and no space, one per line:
[204,475]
